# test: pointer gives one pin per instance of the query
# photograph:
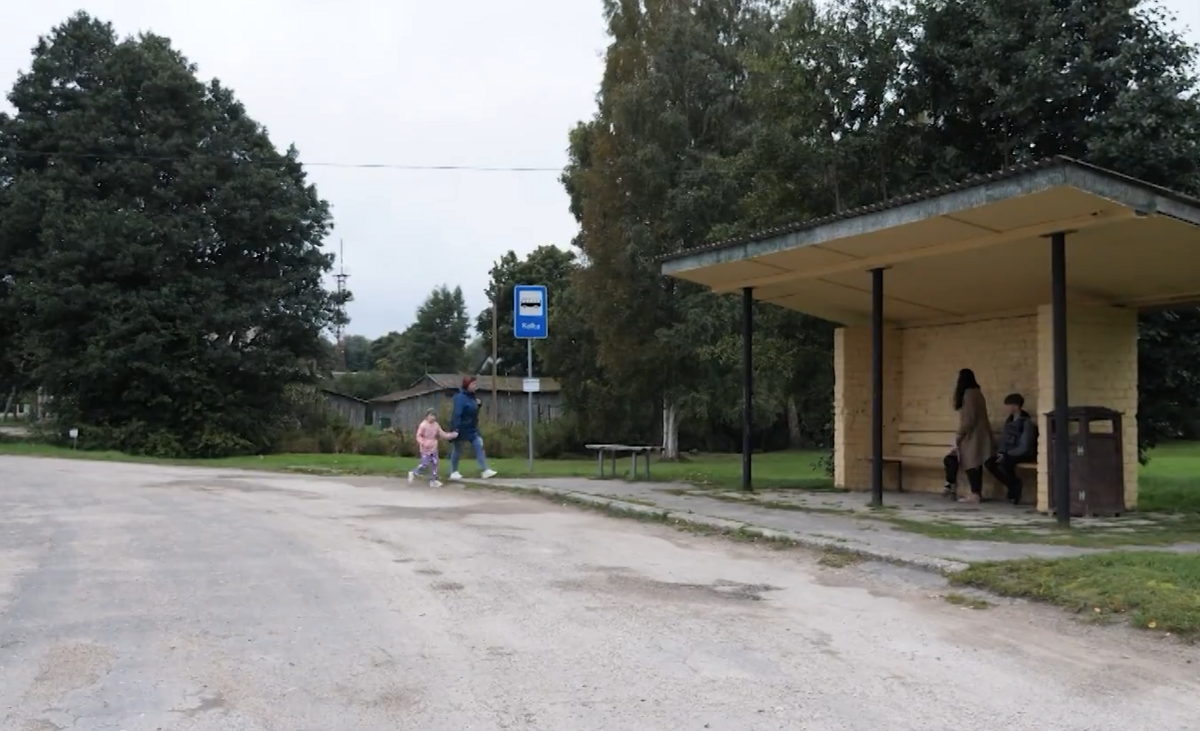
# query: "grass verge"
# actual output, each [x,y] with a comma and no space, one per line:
[1164,530]
[1153,590]
[774,470]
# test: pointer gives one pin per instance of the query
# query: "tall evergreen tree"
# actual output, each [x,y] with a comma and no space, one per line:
[165,260]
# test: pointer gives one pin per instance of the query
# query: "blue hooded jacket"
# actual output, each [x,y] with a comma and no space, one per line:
[464,419]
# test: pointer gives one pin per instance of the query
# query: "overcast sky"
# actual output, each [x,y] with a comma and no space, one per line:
[470,83]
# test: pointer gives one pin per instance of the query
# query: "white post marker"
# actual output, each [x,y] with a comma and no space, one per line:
[74,434]
[530,322]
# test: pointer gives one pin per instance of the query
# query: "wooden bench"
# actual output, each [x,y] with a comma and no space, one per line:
[612,450]
[935,445]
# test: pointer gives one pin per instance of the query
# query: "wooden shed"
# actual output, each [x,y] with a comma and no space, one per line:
[436,390]
[355,411]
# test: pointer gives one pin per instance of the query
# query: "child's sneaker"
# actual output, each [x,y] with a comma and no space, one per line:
[488,473]
[411,476]
[455,476]
[435,482]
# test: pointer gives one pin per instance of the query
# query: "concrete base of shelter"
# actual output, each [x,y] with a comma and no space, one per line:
[1010,352]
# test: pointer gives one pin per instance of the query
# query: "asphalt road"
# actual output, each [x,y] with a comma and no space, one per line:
[143,598]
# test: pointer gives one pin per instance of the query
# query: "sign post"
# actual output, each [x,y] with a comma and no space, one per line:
[530,322]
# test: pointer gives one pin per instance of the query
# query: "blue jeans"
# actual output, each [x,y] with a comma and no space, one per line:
[456,452]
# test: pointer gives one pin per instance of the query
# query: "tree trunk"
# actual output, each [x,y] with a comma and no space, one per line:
[795,437]
[8,405]
[670,435]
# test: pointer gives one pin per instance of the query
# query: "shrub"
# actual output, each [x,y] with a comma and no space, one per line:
[551,439]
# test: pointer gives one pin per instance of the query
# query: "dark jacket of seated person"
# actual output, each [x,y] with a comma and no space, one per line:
[1018,440]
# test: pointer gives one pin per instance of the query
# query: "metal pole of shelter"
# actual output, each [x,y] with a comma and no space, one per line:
[1060,479]
[529,364]
[877,387]
[747,386]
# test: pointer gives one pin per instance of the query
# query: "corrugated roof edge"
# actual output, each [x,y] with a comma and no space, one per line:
[984,179]
[339,393]
[449,381]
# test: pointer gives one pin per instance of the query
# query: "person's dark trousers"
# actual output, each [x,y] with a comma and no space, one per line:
[975,480]
[1005,471]
[951,465]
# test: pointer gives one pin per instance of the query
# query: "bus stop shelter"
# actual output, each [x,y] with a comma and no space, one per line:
[1033,277]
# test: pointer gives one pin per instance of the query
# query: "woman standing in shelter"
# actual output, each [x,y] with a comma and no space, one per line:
[974,435]
[464,419]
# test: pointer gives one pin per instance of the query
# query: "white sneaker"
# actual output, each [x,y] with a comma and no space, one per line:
[488,473]
[435,483]
[455,476]
[411,476]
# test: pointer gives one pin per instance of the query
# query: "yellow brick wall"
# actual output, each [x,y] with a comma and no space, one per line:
[1101,371]
[852,405]
[1008,354]
[1002,352]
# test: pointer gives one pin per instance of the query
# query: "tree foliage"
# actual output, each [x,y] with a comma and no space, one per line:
[717,118]
[433,343]
[545,265]
[163,261]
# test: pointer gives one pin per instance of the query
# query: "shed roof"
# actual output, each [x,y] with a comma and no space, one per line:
[972,247]
[440,382]
[339,394]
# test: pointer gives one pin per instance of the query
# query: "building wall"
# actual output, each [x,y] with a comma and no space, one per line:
[1003,353]
[354,412]
[852,405]
[1101,371]
[513,408]
[1008,354]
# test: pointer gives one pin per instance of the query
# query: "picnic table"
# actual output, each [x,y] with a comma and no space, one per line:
[612,450]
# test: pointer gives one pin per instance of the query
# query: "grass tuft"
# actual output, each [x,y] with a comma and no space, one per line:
[1154,590]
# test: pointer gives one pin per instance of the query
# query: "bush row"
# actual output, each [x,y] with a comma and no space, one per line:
[551,440]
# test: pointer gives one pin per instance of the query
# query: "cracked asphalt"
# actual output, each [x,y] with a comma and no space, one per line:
[147,598]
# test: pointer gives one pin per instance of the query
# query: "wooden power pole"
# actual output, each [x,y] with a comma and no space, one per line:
[495,337]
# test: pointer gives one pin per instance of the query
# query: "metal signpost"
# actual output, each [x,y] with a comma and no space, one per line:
[530,322]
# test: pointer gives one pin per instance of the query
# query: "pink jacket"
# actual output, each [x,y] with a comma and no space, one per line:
[428,434]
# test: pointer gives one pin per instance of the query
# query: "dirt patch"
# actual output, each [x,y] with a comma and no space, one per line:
[429,572]
[222,484]
[448,586]
[67,667]
[634,585]
[457,512]
[205,705]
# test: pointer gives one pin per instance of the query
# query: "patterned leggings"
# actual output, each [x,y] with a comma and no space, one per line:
[430,461]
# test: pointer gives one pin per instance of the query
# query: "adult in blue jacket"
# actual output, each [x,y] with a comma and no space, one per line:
[464,419]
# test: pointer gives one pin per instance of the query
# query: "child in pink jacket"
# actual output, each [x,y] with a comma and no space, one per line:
[428,434]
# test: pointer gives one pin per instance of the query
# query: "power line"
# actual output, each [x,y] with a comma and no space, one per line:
[101,156]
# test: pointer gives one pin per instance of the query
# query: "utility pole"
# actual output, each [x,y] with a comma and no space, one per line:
[341,278]
[495,349]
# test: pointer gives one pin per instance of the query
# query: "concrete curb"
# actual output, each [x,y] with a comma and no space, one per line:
[926,563]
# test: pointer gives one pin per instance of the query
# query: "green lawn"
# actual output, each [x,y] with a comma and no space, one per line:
[1170,483]
[1154,590]
[775,470]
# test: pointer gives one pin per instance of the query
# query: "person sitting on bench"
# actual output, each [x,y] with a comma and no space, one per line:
[1018,443]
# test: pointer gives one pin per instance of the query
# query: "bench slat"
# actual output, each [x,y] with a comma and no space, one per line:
[919,461]
[621,448]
